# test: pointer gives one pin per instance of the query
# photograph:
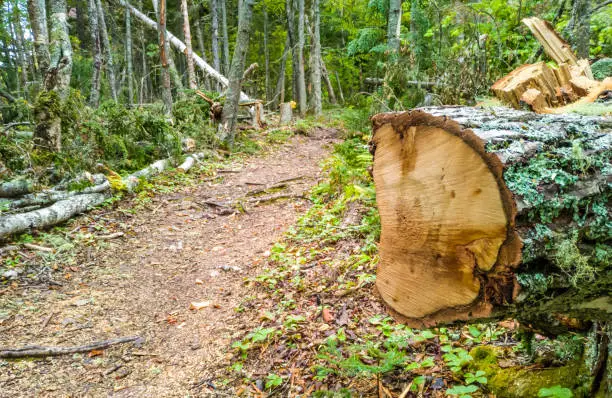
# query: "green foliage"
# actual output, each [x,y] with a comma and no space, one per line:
[273,381]
[555,392]
[602,68]
[462,391]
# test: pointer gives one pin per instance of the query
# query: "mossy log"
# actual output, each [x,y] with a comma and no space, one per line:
[494,213]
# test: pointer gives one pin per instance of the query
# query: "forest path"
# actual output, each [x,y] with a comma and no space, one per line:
[181,251]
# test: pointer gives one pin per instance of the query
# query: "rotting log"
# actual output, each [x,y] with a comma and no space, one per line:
[494,213]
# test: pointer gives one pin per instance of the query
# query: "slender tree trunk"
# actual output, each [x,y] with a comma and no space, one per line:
[581,32]
[339,88]
[393,27]
[163,55]
[266,54]
[22,56]
[82,8]
[303,104]
[226,56]
[315,55]
[108,51]
[201,47]
[38,22]
[48,132]
[191,76]
[128,55]
[290,10]
[145,80]
[330,88]
[279,96]
[94,94]
[230,109]
[15,60]
[214,10]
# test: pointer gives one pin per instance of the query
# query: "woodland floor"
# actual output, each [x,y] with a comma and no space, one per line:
[176,251]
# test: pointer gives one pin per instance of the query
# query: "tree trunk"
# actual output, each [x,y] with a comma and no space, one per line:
[330,88]
[226,56]
[38,22]
[128,56]
[163,55]
[316,61]
[180,46]
[393,27]
[214,15]
[510,218]
[301,76]
[266,54]
[339,88]
[581,15]
[279,96]
[201,47]
[189,51]
[108,51]
[230,109]
[94,94]
[22,55]
[145,79]
[48,133]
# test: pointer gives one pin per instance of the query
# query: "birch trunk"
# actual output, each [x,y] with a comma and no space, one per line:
[315,54]
[188,51]
[301,83]
[163,55]
[94,94]
[128,56]
[38,22]
[226,56]
[230,109]
[290,10]
[214,15]
[108,51]
[393,27]
[201,47]
[330,88]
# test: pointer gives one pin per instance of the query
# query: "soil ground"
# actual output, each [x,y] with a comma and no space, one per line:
[187,246]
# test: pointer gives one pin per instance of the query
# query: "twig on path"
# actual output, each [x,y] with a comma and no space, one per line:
[272,198]
[46,351]
[32,246]
[46,322]
[110,236]
[228,171]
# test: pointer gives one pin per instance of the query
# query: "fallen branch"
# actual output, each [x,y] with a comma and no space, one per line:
[11,189]
[32,246]
[52,196]
[133,180]
[58,212]
[110,236]
[48,351]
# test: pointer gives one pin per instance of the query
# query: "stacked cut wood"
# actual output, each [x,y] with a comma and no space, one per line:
[494,213]
[542,87]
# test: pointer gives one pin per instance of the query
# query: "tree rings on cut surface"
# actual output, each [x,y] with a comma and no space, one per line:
[448,243]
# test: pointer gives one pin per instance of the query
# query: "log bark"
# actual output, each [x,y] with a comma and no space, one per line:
[180,46]
[52,215]
[494,213]
[11,189]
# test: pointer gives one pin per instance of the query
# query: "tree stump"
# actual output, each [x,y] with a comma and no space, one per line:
[286,113]
[508,218]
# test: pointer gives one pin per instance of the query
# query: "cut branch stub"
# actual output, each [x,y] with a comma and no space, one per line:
[447,219]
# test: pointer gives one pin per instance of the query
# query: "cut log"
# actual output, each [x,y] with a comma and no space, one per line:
[534,99]
[52,215]
[510,218]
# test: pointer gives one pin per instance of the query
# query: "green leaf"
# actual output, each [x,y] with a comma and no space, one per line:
[273,380]
[462,391]
[555,392]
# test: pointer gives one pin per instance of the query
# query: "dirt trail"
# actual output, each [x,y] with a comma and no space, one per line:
[182,251]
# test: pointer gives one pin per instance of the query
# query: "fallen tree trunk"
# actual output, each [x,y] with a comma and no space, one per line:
[510,218]
[180,46]
[54,214]
[19,187]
